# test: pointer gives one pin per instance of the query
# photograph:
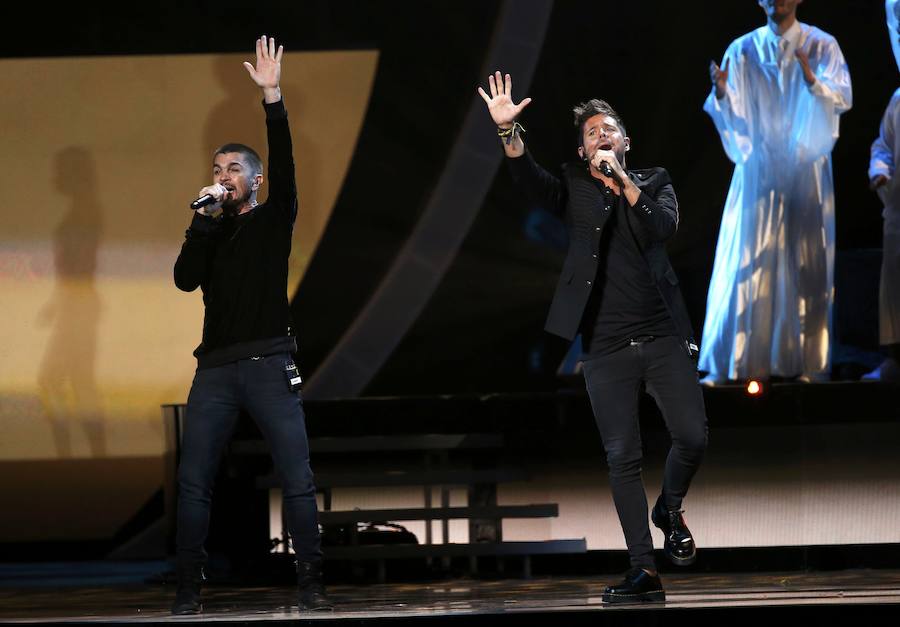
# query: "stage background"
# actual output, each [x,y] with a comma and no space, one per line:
[110,115]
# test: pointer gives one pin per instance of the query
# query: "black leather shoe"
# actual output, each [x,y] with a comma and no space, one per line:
[187,595]
[310,591]
[679,546]
[637,587]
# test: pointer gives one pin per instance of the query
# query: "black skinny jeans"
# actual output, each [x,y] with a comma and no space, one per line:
[217,395]
[614,384]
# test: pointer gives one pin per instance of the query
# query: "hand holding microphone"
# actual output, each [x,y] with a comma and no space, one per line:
[606,162]
[211,195]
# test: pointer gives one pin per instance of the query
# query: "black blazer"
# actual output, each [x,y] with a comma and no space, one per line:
[576,198]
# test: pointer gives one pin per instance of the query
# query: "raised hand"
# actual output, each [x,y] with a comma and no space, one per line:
[803,57]
[267,73]
[877,181]
[719,77]
[500,104]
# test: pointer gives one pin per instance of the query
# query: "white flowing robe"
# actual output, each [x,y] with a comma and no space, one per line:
[885,154]
[769,303]
[892,11]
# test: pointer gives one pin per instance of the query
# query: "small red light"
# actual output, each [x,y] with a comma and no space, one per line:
[754,388]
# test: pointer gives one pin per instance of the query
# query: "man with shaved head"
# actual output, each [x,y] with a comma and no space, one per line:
[236,251]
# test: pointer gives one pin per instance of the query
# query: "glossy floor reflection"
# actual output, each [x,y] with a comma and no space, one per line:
[460,598]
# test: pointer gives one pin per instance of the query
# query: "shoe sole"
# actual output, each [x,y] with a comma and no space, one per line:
[682,561]
[190,612]
[657,596]
[315,609]
[322,608]
[678,561]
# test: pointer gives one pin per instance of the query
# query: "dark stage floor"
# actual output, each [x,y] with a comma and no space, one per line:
[560,601]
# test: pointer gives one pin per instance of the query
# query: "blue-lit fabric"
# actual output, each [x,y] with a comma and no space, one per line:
[892,10]
[770,297]
[885,153]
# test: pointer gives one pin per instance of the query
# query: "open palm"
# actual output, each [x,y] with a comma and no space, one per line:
[500,103]
[719,77]
[267,72]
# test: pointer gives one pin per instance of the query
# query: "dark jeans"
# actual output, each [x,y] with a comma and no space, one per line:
[259,386]
[614,386]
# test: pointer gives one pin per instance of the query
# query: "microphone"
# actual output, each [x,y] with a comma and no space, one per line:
[606,169]
[205,199]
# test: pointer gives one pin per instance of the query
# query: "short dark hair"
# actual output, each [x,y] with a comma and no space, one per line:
[584,111]
[246,152]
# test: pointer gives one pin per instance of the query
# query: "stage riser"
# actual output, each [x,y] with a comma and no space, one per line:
[809,485]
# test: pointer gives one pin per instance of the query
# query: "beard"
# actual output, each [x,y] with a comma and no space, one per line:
[232,205]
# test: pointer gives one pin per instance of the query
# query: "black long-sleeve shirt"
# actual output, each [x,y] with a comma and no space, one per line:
[241,264]
[625,302]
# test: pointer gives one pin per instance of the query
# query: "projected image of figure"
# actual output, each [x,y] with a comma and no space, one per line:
[892,12]
[776,102]
[236,250]
[67,377]
[618,289]
[882,169]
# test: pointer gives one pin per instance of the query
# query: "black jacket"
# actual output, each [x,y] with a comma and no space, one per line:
[576,198]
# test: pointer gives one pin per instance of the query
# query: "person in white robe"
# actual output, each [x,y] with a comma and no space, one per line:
[776,102]
[882,165]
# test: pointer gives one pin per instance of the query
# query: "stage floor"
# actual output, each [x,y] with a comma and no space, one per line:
[564,600]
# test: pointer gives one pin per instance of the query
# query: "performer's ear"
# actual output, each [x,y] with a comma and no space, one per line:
[581,154]
[627,144]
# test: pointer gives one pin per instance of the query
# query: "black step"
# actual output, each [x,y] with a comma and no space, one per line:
[382,443]
[543,510]
[460,477]
[475,549]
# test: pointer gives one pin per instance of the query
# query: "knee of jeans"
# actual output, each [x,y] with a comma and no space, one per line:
[692,444]
[193,484]
[623,461]
[299,487]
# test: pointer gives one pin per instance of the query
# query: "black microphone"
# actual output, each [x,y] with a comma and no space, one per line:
[205,199]
[607,170]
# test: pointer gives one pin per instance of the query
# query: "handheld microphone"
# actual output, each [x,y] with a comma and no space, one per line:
[205,199]
[606,169]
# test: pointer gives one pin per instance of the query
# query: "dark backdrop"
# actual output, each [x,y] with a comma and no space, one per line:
[482,329]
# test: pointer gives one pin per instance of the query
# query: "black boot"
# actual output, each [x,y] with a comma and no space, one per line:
[679,546]
[310,591]
[187,596]
[638,587]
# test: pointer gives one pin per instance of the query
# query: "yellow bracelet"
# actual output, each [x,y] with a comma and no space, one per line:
[509,133]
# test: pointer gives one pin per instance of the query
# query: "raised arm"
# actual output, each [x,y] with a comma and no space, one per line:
[505,112]
[267,75]
[729,105]
[267,72]
[535,180]
[817,126]
[194,262]
[829,79]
